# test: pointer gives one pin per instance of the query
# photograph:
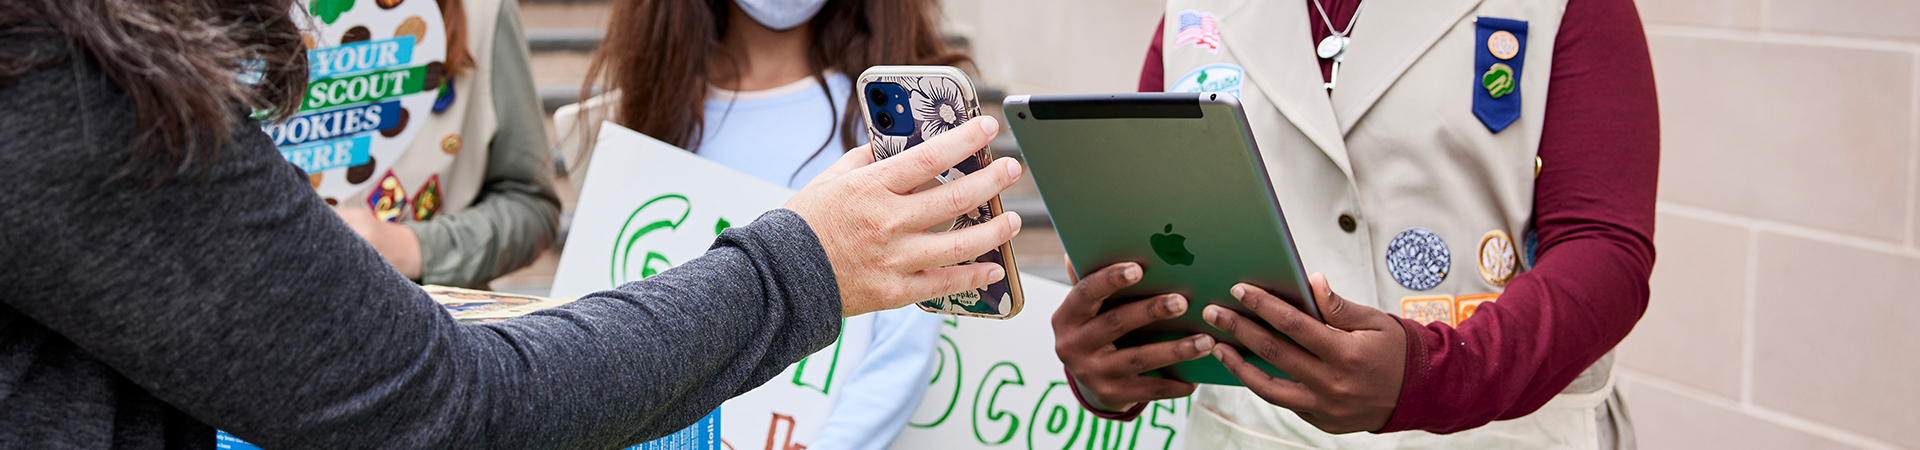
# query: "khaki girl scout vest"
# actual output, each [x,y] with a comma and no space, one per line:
[1392,184]
[443,169]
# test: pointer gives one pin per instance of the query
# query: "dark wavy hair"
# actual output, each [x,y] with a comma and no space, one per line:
[180,62]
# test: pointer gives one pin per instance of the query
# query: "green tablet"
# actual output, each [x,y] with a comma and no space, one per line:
[1170,181]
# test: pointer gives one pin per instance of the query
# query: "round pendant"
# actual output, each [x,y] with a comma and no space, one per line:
[1331,46]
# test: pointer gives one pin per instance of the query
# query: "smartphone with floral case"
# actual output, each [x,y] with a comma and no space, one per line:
[906,105]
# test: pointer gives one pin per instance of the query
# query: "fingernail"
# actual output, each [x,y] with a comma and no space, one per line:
[989,124]
[1239,292]
[997,274]
[1013,168]
[1013,220]
[1131,273]
[1176,304]
[1212,314]
[1217,354]
[1203,344]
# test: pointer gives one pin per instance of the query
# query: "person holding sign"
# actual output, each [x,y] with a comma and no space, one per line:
[170,272]
[1478,184]
[455,187]
[772,99]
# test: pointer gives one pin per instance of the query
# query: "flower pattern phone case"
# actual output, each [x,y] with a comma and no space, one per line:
[937,99]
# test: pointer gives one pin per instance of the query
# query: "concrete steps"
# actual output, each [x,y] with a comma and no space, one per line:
[562,35]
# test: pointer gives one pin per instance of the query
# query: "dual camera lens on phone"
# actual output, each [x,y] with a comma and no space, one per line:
[888,103]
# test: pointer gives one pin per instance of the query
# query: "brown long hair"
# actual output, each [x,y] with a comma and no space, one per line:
[179,63]
[453,13]
[654,57]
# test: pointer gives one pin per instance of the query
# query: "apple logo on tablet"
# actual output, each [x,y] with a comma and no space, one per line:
[1171,247]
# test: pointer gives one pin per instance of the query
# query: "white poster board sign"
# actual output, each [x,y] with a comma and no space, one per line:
[999,385]
[647,206]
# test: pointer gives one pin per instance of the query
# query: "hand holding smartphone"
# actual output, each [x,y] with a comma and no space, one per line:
[906,105]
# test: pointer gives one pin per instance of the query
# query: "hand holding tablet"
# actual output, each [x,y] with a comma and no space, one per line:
[1173,184]
[1347,371]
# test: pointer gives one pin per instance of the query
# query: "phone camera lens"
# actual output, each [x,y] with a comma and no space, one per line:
[883,120]
[877,96]
[1022,115]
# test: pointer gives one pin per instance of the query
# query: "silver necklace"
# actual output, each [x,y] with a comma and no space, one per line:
[1334,47]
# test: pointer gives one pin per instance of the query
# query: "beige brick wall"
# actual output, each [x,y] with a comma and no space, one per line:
[1784,311]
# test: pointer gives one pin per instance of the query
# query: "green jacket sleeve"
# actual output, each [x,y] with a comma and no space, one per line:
[517,215]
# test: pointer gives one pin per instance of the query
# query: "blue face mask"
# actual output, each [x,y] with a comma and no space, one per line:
[781,15]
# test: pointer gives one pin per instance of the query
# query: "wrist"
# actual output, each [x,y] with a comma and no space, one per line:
[1413,380]
[1089,401]
[401,246]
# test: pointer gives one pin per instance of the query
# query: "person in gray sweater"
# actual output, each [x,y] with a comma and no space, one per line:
[157,282]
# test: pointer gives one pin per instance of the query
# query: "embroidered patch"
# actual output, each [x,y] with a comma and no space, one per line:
[388,200]
[1418,259]
[1222,78]
[1465,305]
[1201,29]
[1428,309]
[1499,259]
[426,202]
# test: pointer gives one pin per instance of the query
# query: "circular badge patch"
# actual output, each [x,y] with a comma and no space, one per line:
[1418,259]
[1503,45]
[1498,258]
[450,144]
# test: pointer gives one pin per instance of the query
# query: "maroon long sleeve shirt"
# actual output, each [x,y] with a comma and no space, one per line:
[1593,211]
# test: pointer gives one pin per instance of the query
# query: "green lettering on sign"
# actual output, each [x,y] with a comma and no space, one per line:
[630,233]
[996,415]
[800,374]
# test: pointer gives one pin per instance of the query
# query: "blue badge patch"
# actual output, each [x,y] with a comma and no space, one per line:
[1499,54]
[1418,259]
[1222,78]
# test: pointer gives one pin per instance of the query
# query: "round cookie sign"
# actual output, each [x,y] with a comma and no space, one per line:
[368,71]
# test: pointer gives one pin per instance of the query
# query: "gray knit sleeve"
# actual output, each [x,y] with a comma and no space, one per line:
[233,294]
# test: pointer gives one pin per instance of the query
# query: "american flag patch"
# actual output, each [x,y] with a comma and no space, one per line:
[1199,29]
